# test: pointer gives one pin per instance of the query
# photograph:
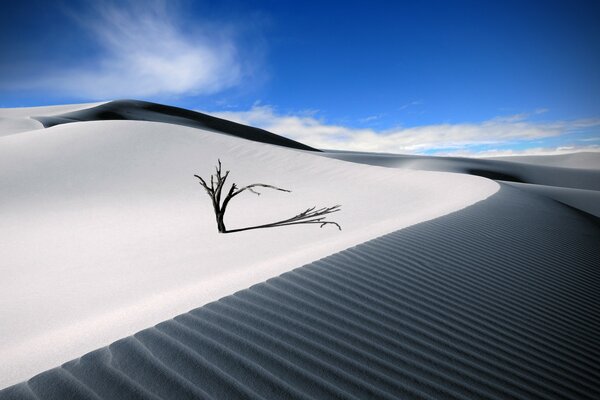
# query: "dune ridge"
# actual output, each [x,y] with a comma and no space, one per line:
[456,307]
[137,110]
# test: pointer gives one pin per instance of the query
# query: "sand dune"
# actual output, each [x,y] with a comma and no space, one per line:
[105,231]
[145,111]
[15,120]
[582,160]
[457,307]
[476,293]
[25,112]
[584,200]
[577,178]
[574,187]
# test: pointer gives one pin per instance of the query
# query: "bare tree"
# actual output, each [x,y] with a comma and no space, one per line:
[215,190]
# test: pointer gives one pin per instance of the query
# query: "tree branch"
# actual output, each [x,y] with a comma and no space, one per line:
[250,188]
[309,216]
[204,185]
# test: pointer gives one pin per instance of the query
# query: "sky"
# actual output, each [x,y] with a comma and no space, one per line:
[474,78]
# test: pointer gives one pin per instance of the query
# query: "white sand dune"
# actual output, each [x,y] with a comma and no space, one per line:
[137,110]
[106,232]
[10,125]
[15,120]
[25,112]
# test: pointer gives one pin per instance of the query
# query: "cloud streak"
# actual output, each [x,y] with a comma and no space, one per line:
[145,50]
[429,139]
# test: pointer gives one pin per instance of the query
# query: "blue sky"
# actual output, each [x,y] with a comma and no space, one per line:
[431,77]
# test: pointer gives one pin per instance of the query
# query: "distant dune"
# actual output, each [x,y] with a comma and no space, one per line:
[451,278]
[583,160]
[23,112]
[578,178]
[15,120]
[135,110]
[575,187]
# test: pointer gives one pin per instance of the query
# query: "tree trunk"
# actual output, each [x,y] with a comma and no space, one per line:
[221,223]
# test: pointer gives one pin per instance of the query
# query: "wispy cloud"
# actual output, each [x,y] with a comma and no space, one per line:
[370,118]
[147,49]
[521,116]
[411,104]
[495,132]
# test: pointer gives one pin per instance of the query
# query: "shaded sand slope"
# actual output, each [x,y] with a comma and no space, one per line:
[499,300]
[145,111]
[584,200]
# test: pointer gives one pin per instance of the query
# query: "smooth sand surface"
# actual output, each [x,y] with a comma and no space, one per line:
[496,301]
[105,231]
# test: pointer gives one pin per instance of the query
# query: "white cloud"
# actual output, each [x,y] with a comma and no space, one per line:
[146,50]
[317,133]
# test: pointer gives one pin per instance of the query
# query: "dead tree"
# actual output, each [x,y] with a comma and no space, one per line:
[215,191]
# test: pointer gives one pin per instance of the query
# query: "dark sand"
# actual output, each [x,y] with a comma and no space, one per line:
[137,110]
[581,199]
[500,300]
